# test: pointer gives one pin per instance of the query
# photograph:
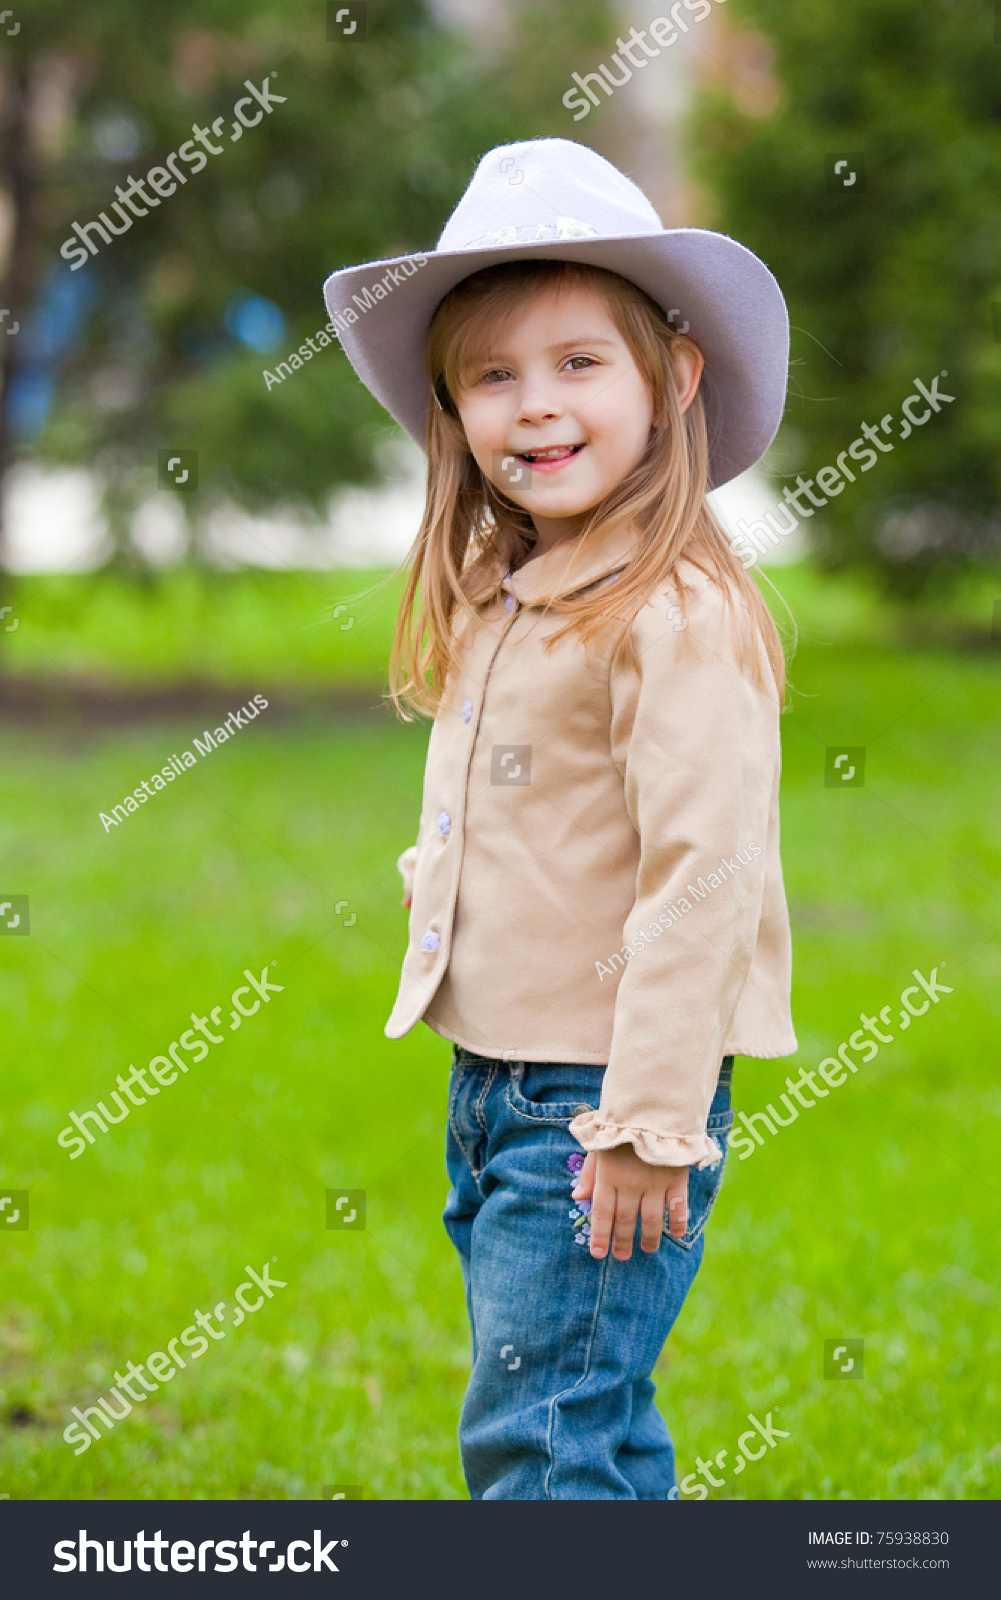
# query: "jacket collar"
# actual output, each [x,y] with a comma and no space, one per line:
[572,565]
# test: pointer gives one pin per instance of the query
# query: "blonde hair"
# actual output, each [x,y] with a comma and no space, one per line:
[468,523]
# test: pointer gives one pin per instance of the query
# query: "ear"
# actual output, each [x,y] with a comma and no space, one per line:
[688,365]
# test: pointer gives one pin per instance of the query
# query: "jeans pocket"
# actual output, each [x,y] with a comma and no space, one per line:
[552,1091]
[704,1185]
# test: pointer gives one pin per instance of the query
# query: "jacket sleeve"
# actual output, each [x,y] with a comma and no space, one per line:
[697,744]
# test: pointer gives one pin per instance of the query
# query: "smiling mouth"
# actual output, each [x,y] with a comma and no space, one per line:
[556,456]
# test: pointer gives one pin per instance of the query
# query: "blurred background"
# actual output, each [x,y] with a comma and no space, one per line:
[136,611]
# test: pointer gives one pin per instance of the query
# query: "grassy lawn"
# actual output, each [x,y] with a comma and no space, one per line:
[226,628]
[877,1218]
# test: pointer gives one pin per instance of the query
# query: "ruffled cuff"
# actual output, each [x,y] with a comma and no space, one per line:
[406,864]
[596,1132]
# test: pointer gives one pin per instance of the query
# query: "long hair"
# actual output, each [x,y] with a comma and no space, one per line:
[455,564]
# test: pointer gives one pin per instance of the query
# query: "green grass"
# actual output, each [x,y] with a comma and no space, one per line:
[875,1215]
[224,627]
[232,628]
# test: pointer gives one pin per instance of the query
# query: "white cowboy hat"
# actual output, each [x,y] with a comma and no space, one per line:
[554,198]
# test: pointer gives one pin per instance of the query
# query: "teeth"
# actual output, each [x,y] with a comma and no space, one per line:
[552,454]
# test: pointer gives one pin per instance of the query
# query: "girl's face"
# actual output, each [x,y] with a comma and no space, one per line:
[557,412]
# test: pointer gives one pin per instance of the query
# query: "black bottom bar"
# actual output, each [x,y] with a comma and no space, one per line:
[502,1550]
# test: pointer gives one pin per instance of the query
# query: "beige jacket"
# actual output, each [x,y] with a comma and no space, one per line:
[597,874]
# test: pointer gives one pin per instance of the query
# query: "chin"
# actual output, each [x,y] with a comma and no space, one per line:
[560,506]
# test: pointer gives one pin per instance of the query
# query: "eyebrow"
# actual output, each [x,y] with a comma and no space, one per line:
[581,338]
[564,344]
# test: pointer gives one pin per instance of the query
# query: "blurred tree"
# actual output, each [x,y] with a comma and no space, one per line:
[895,279]
[162,337]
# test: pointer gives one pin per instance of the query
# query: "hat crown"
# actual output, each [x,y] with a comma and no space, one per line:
[555,200]
[545,189]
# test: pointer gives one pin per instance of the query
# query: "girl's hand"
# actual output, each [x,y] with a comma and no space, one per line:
[619,1184]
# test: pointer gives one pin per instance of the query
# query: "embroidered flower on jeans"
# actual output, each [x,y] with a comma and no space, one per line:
[582,1208]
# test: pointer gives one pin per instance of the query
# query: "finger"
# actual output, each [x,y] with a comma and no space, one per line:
[652,1218]
[584,1186]
[626,1206]
[602,1216]
[677,1206]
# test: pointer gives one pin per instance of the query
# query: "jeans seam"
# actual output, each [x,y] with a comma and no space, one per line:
[554,1403]
[481,1099]
[529,1116]
[547,1116]
[687,1244]
[451,1118]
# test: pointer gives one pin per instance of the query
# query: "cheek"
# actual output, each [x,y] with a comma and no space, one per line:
[620,420]
[483,423]
[482,436]
[470,430]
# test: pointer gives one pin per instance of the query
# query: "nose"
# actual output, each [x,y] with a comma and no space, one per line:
[538,403]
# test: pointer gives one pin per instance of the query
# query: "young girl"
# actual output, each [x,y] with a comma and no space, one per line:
[598,919]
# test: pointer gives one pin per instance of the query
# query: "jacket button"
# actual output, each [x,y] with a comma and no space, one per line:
[431,941]
[467,710]
[580,1111]
[444,824]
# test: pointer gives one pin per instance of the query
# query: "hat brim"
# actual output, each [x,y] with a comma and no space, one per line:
[732,304]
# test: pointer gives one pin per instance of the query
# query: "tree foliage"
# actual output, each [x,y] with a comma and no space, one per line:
[161,340]
[895,281]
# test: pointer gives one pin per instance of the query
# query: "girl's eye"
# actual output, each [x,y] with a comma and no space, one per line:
[495,375]
[580,363]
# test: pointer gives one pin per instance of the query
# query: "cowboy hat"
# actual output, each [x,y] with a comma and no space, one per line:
[556,199]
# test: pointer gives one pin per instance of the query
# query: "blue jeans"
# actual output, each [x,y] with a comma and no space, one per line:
[560,1404]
